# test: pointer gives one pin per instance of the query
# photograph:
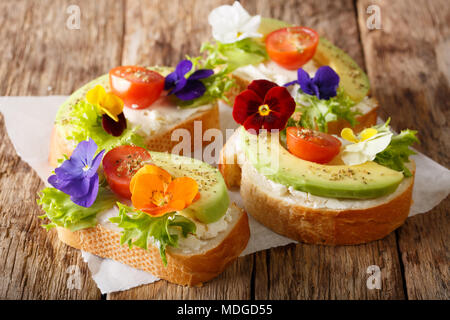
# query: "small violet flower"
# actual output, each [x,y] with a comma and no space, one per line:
[78,175]
[190,88]
[233,23]
[323,85]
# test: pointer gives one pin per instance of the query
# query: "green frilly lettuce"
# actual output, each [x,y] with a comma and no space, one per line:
[62,212]
[140,229]
[398,151]
[316,113]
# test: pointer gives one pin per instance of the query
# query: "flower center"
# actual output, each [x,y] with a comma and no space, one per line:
[264,110]
[86,168]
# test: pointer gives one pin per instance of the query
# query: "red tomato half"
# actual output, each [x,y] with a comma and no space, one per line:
[292,47]
[120,164]
[312,145]
[136,85]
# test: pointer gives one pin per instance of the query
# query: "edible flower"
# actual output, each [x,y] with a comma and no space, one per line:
[366,145]
[264,105]
[190,88]
[324,84]
[111,106]
[77,176]
[233,23]
[154,192]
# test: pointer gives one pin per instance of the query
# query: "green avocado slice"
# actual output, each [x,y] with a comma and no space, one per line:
[365,181]
[214,201]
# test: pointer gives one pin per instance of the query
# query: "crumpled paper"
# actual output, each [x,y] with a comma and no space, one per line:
[29,121]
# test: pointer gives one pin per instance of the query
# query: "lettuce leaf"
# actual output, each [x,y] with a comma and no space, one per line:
[237,54]
[140,229]
[85,122]
[316,113]
[62,212]
[397,153]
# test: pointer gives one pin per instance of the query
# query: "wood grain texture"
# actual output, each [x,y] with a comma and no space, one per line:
[180,29]
[43,57]
[409,69]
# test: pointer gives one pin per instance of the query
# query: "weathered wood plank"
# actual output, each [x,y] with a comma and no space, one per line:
[162,33]
[42,56]
[409,68]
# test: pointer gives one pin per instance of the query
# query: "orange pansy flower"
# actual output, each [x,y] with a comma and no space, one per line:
[155,192]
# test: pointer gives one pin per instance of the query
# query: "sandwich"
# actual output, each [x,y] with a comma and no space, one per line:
[143,106]
[312,186]
[254,47]
[166,214]
[118,193]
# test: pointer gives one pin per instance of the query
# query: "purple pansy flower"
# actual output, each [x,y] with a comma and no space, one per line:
[190,88]
[77,176]
[323,85]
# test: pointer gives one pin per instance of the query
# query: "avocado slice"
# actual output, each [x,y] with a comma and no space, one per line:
[354,81]
[214,201]
[364,181]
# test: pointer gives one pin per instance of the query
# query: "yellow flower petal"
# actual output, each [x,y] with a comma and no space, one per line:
[96,94]
[368,133]
[112,106]
[348,135]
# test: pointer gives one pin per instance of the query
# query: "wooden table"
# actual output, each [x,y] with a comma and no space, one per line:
[408,63]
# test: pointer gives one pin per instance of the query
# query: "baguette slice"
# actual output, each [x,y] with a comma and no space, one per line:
[299,220]
[184,269]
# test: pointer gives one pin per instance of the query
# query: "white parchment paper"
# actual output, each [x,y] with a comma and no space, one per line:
[29,121]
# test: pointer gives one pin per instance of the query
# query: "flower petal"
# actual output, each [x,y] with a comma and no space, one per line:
[151,169]
[181,192]
[170,81]
[261,87]
[76,187]
[254,123]
[193,89]
[245,105]
[290,83]
[114,128]
[327,80]
[112,105]
[183,67]
[306,83]
[201,74]
[280,102]
[88,199]
[95,164]
[147,189]
[96,94]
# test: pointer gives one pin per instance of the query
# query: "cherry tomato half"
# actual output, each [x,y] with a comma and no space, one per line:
[120,164]
[138,87]
[312,145]
[292,47]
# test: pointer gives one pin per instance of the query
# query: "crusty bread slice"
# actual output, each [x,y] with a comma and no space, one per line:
[299,219]
[60,146]
[184,269]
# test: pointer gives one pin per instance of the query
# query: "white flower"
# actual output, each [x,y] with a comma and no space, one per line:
[233,23]
[366,149]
